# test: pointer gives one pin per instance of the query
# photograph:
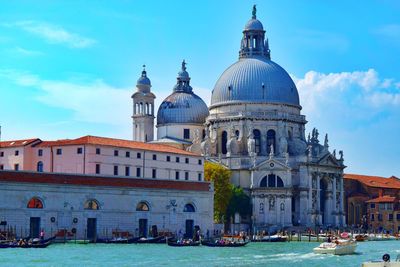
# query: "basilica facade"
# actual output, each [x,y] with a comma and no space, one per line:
[254,127]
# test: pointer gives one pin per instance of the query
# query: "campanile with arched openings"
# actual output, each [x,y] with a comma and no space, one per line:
[143,110]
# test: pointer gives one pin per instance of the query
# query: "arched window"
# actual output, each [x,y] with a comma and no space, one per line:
[39,167]
[142,206]
[147,109]
[257,139]
[224,140]
[271,180]
[189,208]
[263,182]
[35,203]
[270,140]
[141,108]
[91,204]
[279,182]
[237,133]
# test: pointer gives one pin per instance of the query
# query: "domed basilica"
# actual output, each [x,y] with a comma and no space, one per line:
[255,128]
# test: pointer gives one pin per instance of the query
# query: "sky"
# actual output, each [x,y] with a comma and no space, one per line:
[69,68]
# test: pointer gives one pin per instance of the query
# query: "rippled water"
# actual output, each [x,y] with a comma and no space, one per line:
[151,255]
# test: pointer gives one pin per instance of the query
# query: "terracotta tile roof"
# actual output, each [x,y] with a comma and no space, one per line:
[105,141]
[89,180]
[16,143]
[375,181]
[382,199]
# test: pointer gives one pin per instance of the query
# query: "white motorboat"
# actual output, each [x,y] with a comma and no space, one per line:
[339,247]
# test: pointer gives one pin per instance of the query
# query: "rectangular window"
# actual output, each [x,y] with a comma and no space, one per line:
[154,157]
[97,168]
[154,173]
[127,171]
[200,161]
[199,177]
[116,153]
[381,206]
[390,217]
[40,152]
[398,216]
[187,160]
[372,217]
[372,205]
[59,151]
[1,154]
[137,172]
[177,159]
[186,133]
[389,206]
[98,151]
[16,152]
[115,170]
[186,176]
[79,150]
[2,168]
[168,158]
[16,167]
[127,154]
[380,217]
[176,175]
[138,155]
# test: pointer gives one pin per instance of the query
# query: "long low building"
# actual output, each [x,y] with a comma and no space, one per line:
[89,206]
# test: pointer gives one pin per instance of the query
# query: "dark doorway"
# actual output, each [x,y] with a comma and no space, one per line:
[224,140]
[142,227]
[189,229]
[34,227]
[322,197]
[91,228]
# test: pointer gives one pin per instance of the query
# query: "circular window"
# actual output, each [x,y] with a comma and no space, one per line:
[73,230]
[272,165]
[53,219]
[75,220]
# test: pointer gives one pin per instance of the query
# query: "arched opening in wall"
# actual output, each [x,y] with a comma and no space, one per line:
[270,140]
[142,206]
[237,133]
[263,182]
[35,203]
[257,140]
[357,217]
[322,198]
[151,109]
[224,140]
[189,208]
[91,204]
[271,180]
[147,109]
[134,108]
[39,166]
[279,182]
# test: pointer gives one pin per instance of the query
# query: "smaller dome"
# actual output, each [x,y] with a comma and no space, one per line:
[254,25]
[143,81]
[183,74]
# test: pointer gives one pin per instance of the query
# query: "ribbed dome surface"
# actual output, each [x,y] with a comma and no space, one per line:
[182,107]
[243,82]
[254,24]
[143,80]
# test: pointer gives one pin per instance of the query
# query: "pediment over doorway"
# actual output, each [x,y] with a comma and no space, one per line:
[271,165]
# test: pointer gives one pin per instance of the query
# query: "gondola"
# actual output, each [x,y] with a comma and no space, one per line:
[39,245]
[155,240]
[117,240]
[225,244]
[183,243]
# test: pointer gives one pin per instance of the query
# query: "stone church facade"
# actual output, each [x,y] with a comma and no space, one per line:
[254,127]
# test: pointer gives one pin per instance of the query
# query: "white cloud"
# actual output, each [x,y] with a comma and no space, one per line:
[345,87]
[54,34]
[27,52]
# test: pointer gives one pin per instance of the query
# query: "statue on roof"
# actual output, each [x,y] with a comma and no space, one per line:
[184,65]
[254,12]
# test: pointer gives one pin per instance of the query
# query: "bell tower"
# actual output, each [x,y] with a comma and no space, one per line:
[143,110]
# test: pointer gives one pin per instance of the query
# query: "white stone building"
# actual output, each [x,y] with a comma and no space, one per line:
[256,129]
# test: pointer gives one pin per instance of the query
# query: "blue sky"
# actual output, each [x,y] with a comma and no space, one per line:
[68,68]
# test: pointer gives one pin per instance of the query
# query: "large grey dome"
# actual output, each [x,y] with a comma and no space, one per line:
[255,80]
[254,25]
[182,107]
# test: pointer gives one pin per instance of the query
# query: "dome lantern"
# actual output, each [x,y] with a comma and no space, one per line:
[143,83]
[253,41]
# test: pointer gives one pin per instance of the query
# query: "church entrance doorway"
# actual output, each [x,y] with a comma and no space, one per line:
[322,199]
[34,228]
[189,229]
[142,227]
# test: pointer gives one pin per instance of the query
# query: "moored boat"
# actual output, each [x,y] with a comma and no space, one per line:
[151,240]
[339,247]
[222,243]
[183,243]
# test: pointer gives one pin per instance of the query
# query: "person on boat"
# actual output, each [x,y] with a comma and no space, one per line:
[42,234]
[329,239]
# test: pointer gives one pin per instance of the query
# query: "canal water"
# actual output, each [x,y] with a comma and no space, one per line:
[151,255]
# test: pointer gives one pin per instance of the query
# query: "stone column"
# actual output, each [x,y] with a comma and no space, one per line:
[335,217]
[318,197]
[342,215]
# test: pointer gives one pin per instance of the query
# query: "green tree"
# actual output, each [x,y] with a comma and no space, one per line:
[239,203]
[220,176]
